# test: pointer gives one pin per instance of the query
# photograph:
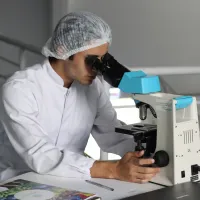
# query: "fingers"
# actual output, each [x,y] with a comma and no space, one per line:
[136,180]
[141,178]
[133,168]
[138,154]
[146,161]
[148,170]
[143,161]
[144,176]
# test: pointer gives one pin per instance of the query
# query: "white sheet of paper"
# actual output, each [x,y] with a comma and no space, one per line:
[34,195]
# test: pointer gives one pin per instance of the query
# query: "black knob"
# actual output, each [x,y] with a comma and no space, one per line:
[161,158]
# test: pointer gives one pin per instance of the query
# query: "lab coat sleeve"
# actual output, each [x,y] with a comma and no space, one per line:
[104,128]
[31,141]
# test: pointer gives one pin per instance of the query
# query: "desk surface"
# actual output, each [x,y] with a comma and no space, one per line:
[121,189]
[184,191]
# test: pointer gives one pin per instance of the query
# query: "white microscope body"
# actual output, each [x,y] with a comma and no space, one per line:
[175,130]
[177,134]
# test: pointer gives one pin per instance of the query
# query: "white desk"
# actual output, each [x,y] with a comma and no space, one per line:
[121,189]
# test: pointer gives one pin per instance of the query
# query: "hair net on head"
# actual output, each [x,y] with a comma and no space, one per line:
[76,32]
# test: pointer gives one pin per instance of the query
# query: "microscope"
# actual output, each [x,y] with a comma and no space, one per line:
[169,128]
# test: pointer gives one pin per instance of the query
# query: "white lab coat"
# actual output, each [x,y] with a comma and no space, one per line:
[47,126]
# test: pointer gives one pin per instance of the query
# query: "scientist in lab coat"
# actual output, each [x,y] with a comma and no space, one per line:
[50,109]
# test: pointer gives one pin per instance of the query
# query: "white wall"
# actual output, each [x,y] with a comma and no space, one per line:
[150,32]
[26,20]
[59,9]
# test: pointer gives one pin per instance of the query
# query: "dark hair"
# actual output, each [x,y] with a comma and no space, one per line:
[52,59]
[71,57]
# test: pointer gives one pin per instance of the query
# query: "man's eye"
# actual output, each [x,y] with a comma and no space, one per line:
[90,60]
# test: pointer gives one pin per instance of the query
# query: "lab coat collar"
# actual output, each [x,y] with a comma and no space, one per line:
[53,75]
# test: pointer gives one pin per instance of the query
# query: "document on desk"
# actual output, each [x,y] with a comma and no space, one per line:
[121,189]
[28,190]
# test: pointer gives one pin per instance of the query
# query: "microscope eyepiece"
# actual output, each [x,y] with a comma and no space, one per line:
[111,70]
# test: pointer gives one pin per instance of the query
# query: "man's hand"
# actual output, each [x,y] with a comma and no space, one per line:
[130,168]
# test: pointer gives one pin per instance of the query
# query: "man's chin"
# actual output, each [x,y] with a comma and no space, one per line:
[86,81]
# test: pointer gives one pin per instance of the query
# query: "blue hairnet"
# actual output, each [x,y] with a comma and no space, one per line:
[76,32]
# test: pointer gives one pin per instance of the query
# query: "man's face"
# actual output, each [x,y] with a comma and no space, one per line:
[78,70]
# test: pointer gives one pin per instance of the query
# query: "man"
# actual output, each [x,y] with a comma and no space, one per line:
[50,110]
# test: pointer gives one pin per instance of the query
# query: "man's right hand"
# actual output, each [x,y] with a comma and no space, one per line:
[132,168]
